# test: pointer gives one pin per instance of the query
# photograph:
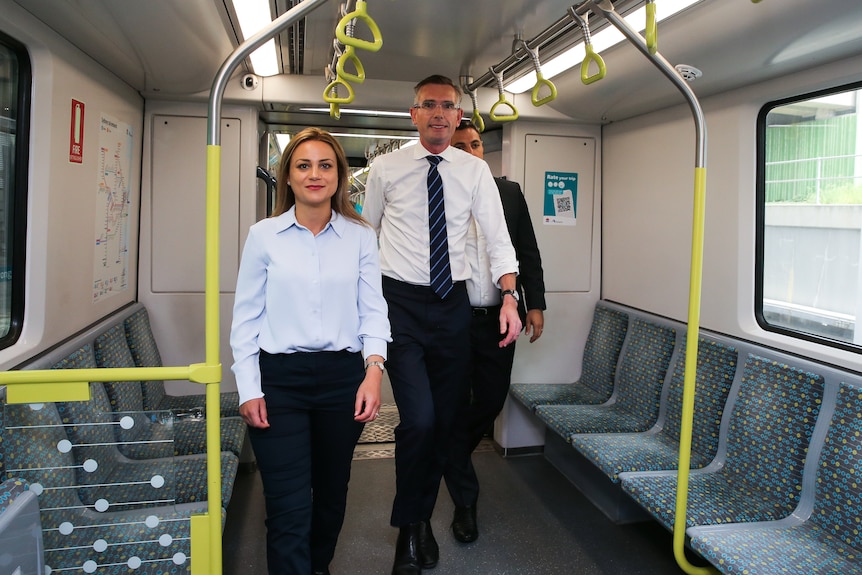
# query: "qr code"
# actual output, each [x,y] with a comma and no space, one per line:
[564,204]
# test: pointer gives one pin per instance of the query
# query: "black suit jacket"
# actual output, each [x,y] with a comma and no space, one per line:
[531,283]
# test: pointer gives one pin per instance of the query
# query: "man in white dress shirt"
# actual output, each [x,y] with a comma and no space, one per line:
[429,356]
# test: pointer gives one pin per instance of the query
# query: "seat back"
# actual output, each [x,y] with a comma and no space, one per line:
[770,427]
[112,350]
[838,494]
[145,353]
[716,367]
[602,349]
[643,368]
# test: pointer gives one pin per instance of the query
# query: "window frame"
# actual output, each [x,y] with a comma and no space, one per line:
[18,211]
[760,221]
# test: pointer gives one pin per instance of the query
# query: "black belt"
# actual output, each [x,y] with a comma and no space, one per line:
[493,310]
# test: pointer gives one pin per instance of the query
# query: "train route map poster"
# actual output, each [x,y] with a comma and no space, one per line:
[111,258]
[561,199]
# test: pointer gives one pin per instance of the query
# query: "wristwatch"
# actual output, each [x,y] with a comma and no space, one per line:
[377,363]
[510,292]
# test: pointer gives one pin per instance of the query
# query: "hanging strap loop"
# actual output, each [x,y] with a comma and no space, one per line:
[476,118]
[502,101]
[591,55]
[651,30]
[540,80]
[330,93]
[360,13]
[349,55]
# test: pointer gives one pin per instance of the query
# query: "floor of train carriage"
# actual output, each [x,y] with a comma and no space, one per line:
[532,521]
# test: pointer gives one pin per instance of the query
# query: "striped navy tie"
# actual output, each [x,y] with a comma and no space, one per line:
[441,274]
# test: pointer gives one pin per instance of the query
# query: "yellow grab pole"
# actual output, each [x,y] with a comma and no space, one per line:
[689,382]
[606,7]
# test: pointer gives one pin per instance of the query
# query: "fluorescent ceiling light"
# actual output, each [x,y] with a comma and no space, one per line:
[603,40]
[253,16]
[360,112]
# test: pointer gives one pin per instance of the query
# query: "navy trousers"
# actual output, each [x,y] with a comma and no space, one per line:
[427,362]
[490,375]
[305,455]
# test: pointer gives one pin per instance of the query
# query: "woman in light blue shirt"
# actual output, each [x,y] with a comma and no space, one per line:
[309,337]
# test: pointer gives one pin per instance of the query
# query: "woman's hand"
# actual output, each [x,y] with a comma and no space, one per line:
[368,394]
[253,412]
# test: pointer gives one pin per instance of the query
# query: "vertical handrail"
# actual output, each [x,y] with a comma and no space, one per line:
[696,273]
[211,296]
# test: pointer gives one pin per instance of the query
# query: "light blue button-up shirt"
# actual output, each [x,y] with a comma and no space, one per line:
[297,292]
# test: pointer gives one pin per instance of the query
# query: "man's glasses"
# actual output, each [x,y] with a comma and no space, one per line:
[430,106]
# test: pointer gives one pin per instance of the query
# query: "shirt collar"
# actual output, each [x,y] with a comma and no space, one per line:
[288,220]
[420,153]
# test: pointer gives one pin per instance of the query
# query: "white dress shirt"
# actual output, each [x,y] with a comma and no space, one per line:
[481,289]
[297,292]
[396,204]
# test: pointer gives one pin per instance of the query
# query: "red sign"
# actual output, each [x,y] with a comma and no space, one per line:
[76,133]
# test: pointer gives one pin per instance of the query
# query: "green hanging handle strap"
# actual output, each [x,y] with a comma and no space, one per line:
[591,55]
[361,13]
[502,101]
[540,80]
[330,93]
[651,30]
[476,118]
[334,111]
[349,55]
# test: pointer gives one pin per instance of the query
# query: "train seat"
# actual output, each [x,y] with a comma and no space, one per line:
[82,537]
[658,448]
[757,473]
[634,404]
[822,536]
[145,353]
[104,473]
[20,526]
[189,432]
[601,353]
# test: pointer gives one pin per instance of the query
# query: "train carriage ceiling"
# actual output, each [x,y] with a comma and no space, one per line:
[173,48]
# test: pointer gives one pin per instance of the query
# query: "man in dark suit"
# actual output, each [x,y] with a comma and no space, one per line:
[491,367]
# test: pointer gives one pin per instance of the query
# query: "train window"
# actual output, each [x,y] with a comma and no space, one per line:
[809,217]
[15,80]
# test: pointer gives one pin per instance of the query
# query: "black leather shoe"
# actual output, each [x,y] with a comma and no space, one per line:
[407,551]
[464,524]
[429,552]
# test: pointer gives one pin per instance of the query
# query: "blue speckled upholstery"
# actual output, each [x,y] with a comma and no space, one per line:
[188,435]
[769,430]
[658,448]
[78,536]
[635,404]
[10,489]
[145,353]
[89,426]
[601,352]
[830,540]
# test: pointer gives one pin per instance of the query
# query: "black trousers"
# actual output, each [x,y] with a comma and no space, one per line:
[427,361]
[304,456]
[490,375]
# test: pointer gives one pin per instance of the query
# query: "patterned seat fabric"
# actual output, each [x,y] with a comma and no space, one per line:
[145,353]
[659,448]
[601,352]
[635,404]
[145,439]
[829,541]
[767,440]
[106,478]
[79,537]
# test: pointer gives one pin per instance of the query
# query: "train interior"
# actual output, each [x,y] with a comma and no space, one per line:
[662,137]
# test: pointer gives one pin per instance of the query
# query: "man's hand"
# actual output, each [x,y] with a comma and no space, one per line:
[535,324]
